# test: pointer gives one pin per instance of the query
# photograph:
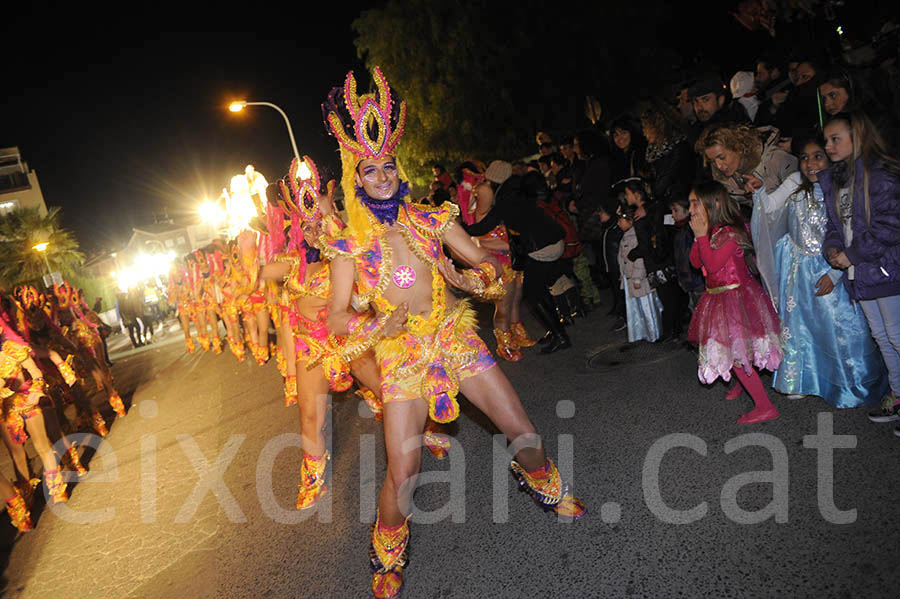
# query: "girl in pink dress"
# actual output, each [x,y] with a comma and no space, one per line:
[735,323]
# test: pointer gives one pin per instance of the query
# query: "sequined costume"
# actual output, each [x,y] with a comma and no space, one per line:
[19,402]
[434,351]
[828,348]
[438,350]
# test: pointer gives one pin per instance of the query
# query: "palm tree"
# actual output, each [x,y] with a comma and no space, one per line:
[20,231]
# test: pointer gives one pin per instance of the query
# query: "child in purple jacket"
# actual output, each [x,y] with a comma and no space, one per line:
[862,237]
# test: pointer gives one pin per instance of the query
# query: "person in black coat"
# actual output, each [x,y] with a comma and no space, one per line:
[532,235]
[627,154]
[672,164]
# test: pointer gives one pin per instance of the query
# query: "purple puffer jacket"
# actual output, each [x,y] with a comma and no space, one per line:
[875,249]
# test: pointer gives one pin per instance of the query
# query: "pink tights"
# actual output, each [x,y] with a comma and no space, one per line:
[754,386]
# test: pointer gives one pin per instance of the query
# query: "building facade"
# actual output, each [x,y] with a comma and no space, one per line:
[19,187]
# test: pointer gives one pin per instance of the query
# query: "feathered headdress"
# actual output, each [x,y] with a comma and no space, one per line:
[304,187]
[366,126]
[28,296]
[64,294]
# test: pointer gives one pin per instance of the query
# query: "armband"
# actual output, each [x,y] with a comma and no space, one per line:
[486,279]
[38,385]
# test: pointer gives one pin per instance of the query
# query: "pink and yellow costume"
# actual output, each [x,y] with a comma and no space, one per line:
[20,398]
[436,351]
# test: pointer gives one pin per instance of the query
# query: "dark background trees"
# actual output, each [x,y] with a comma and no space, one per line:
[482,77]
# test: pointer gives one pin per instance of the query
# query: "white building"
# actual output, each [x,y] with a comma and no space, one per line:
[19,187]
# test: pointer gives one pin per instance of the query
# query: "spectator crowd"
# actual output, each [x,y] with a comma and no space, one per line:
[755,220]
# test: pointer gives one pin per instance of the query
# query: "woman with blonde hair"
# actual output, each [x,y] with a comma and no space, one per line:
[738,154]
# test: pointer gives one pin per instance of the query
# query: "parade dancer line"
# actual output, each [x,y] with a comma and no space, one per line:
[424,337]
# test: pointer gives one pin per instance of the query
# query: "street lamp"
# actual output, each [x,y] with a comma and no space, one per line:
[239,105]
[41,248]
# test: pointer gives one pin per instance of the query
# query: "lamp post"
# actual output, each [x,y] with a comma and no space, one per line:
[239,106]
[41,248]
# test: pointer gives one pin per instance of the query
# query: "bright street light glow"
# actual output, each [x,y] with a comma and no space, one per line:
[303,171]
[236,106]
[211,213]
[40,246]
[146,267]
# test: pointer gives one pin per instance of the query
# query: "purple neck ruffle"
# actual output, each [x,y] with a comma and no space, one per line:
[384,210]
[312,254]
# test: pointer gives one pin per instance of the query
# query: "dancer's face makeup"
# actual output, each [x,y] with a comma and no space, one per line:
[379,177]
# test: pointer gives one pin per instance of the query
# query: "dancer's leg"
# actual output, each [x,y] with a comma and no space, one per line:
[37,430]
[503,307]
[17,454]
[403,420]
[492,393]
[312,395]
[519,335]
[262,328]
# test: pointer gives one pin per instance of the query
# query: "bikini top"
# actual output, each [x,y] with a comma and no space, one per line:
[299,285]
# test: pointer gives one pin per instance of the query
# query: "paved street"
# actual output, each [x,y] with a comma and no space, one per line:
[143,524]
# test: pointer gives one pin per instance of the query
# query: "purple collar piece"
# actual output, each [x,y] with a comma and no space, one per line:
[385,211]
[312,254]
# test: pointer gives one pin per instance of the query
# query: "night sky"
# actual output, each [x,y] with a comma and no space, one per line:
[119,123]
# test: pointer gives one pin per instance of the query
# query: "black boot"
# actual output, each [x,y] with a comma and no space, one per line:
[557,338]
[574,303]
[560,308]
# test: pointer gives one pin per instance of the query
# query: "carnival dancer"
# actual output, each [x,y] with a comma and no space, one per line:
[230,311]
[180,296]
[197,309]
[272,243]
[253,310]
[424,337]
[482,221]
[42,321]
[59,377]
[21,389]
[207,304]
[320,361]
[80,331]
[24,313]
[281,247]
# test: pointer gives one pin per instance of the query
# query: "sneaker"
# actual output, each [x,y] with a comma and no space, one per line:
[889,411]
[897,431]
[623,324]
